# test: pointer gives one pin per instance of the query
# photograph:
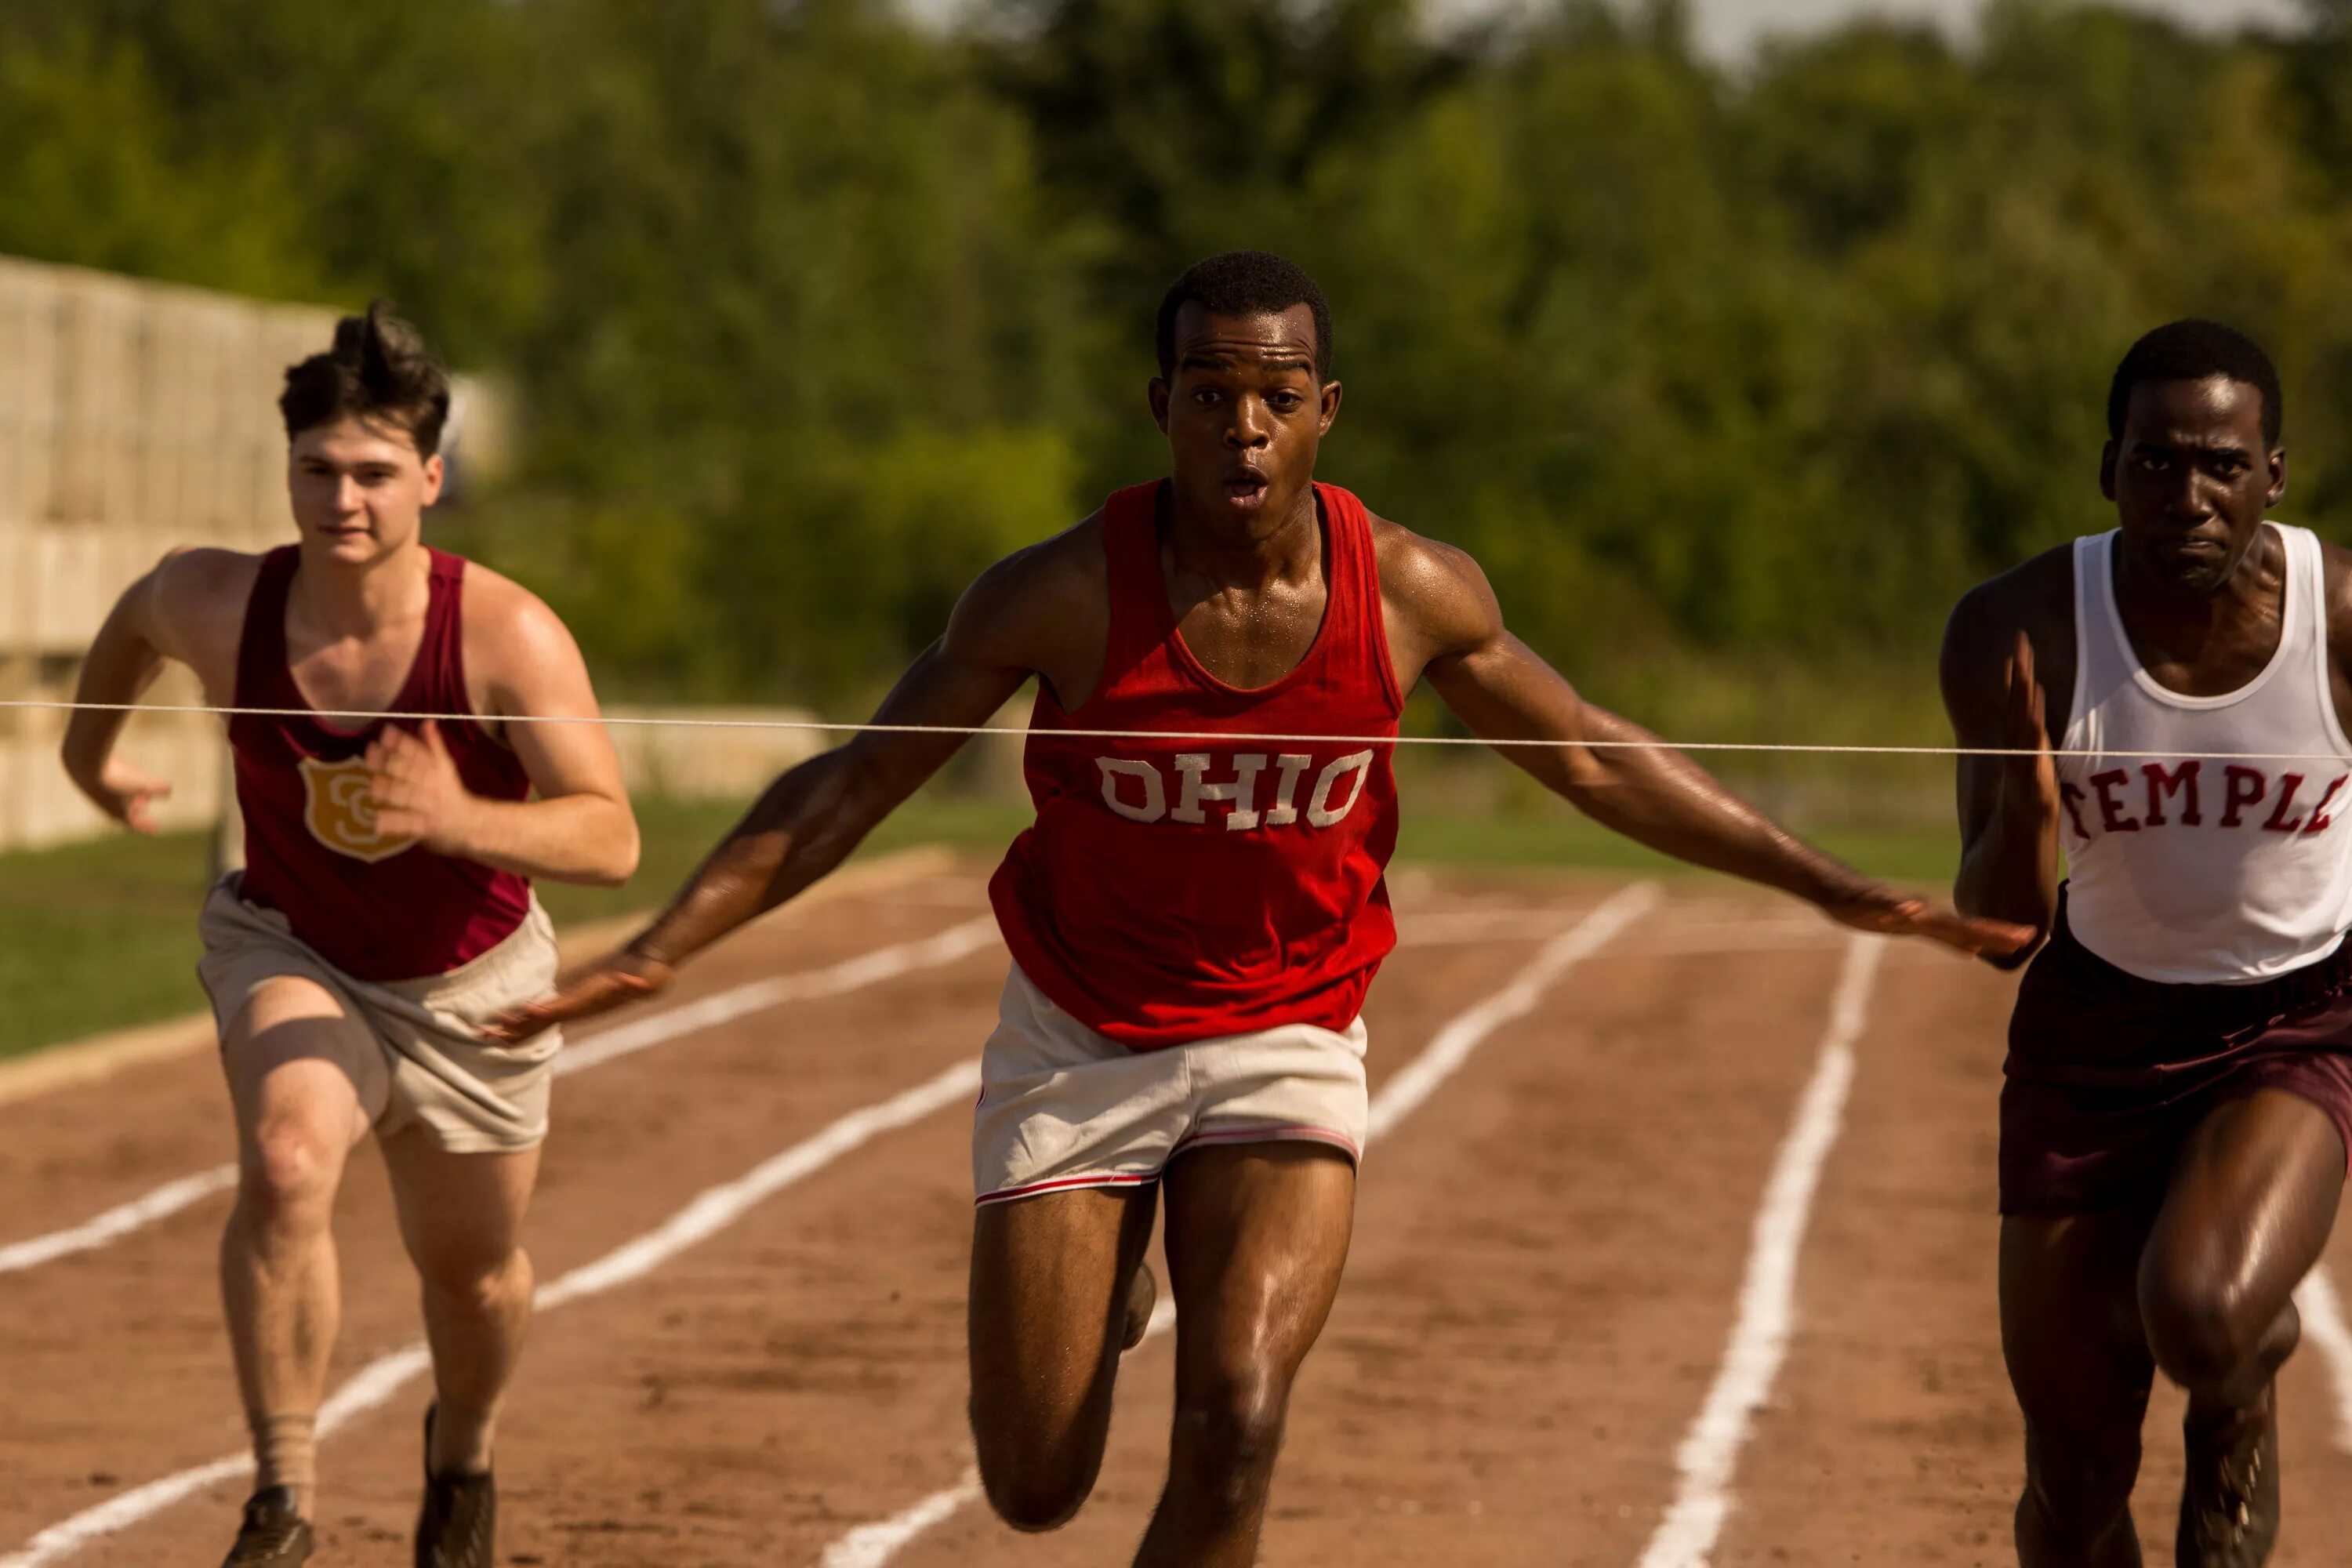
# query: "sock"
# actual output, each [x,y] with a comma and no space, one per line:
[461,1440]
[286,1454]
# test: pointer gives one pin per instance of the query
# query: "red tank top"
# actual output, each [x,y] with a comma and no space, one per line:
[1175,891]
[376,908]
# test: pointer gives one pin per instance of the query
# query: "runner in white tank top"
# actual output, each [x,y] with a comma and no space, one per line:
[2178,1093]
[2185,866]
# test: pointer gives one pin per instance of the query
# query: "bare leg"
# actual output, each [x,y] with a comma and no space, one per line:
[1257,1236]
[1049,1299]
[2079,1363]
[461,1216]
[2253,1197]
[298,1116]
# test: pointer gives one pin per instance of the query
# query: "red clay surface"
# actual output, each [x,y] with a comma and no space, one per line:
[1546,1267]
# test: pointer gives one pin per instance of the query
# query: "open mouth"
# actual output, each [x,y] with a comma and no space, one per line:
[1246,491]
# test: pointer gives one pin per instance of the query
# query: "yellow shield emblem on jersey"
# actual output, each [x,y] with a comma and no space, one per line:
[337,812]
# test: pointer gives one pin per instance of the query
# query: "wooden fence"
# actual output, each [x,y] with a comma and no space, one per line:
[133,416]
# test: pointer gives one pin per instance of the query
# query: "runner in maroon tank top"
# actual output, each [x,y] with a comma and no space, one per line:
[1194,921]
[385,911]
[310,855]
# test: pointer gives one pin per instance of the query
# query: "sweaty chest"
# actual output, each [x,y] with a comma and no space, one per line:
[1252,639]
[2215,670]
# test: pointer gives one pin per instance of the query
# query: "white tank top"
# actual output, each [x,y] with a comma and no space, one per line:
[2187,866]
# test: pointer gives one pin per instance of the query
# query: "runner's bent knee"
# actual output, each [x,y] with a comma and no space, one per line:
[292,1168]
[2204,1327]
[290,1161]
[1231,1426]
[476,1284]
[1034,1496]
[2211,1305]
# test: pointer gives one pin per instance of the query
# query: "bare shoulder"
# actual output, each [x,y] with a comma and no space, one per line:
[201,577]
[2336,579]
[520,656]
[1023,608]
[192,605]
[2036,597]
[500,613]
[1071,561]
[1434,589]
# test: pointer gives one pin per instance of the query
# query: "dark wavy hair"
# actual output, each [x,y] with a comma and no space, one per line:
[379,371]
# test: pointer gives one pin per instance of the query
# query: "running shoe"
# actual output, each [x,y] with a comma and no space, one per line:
[273,1535]
[2230,1503]
[458,1527]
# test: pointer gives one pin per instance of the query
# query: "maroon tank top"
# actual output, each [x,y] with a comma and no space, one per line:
[1178,889]
[378,908]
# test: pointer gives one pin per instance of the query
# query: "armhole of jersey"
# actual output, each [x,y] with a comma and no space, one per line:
[2089,555]
[2306,543]
[453,570]
[244,690]
[1367,586]
[1128,536]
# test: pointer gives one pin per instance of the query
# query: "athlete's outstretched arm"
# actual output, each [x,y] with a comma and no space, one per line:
[190,608]
[813,816]
[2009,806]
[1505,692]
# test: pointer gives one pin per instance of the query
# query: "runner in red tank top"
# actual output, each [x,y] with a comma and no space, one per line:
[1139,933]
[1194,920]
[385,911]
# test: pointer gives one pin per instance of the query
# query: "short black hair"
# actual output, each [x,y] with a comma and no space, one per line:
[379,370]
[2198,350]
[1245,283]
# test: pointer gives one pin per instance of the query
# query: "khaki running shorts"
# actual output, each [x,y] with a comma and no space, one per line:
[415,1053]
[1062,1106]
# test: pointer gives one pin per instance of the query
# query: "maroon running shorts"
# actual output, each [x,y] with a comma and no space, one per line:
[2107,1073]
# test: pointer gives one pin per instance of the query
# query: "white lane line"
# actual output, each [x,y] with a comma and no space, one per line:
[1451,1047]
[834,980]
[1456,925]
[867,969]
[872,1545]
[2323,1324]
[117,1223]
[376,1383]
[1682,939]
[1709,1452]
[1763,939]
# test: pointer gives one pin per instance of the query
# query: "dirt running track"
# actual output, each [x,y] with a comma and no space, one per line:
[1548,1264]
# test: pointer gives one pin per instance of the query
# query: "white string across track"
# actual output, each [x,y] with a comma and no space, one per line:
[871,727]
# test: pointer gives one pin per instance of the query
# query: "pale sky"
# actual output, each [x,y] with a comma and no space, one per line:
[1728,30]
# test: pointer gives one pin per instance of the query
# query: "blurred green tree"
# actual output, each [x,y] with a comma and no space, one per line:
[808,311]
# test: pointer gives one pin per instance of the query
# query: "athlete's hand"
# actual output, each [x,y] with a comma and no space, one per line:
[613,981]
[126,795]
[2030,782]
[415,791]
[1874,907]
